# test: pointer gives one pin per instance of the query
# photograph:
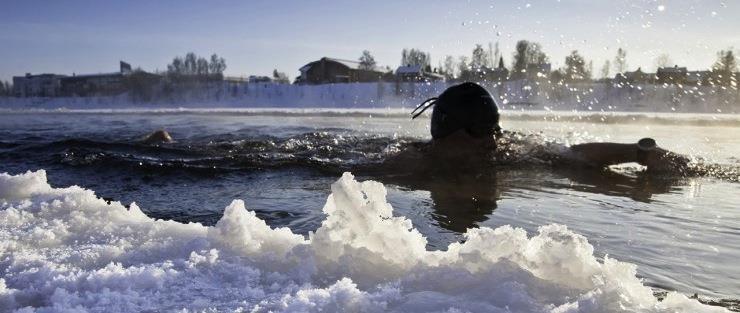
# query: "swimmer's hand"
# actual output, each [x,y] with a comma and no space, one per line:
[658,159]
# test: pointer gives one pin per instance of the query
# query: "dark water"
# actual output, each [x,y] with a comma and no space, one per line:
[682,231]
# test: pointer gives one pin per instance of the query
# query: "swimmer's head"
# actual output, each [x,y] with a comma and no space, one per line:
[466,106]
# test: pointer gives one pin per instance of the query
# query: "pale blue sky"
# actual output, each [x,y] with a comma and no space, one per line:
[256,36]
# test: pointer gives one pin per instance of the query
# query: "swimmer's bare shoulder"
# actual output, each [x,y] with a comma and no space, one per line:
[412,158]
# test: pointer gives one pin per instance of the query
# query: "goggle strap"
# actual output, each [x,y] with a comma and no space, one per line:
[423,106]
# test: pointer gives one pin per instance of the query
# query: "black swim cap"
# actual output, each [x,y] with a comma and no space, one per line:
[465,106]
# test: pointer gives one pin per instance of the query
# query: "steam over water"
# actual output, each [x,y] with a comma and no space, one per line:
[543,238]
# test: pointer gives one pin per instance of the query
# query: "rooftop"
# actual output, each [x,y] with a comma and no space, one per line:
[355,65]
[409,69]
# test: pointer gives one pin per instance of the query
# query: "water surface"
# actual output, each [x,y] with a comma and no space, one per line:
[682,232]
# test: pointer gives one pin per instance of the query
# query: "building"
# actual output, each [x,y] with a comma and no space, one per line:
[259,79]
[538,70]
[331,71]
[635,77]
[500,73]
[672,75]
[532,71]
[104,84]
[235,79]
[41,85]
[485,74]
[698,77]
[416,73]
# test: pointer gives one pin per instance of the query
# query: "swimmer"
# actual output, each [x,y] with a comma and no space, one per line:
[466,135]
[157,137]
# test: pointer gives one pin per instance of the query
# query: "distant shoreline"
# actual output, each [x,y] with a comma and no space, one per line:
[512,95]
[611,117]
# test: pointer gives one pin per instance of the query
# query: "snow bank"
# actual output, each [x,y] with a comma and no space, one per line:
[65,250]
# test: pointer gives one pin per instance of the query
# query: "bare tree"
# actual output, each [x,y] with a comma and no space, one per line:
[280,77]
[620,61]
[463,68]
[606,69]
[196,67]
[723,70]
[496,52]
[449,67]
[490,58]
[479,58]
[217,65]
[575,67]
[367,61]
[201,67]
[527,53]
[663,60]
[177,67]
[415,57]
[191,64]
[589,69]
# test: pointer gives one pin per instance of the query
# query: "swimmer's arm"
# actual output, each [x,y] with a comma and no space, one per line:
[409,160]
[602,154]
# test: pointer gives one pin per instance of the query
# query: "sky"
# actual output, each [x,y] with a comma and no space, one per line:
[255,37]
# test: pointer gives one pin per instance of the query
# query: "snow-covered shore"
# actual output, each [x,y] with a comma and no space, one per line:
[512,95]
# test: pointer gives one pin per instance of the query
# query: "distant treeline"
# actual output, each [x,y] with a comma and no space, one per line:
[196,68]
[528,55]
[183,73]
[191,72]
[6,89]
[191,75]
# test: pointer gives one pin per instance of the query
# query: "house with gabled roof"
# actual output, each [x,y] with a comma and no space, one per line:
[416,73]
[331,70]
[672,75]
